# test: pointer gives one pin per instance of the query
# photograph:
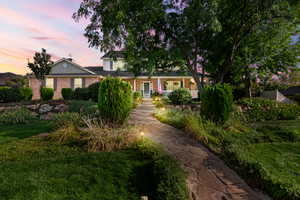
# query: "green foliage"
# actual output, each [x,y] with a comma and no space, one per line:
[137,96]
[61,120]
[46,94]
[166,177]
[259,109]
[82,94]
[295,98]
[8,95]
[180,96]
[217,103]
[17,116]
[115,100]
[9,133]
[26,93]
[67,93]
[85,108]
[94,91]
[42,64]
[156,94]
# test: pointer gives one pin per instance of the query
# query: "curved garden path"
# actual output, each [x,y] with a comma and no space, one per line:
[208,177]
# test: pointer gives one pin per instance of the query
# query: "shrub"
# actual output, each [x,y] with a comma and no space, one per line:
[83,107]
[137,96]
[260,109]
[64,119]
[47,94]
[26,94]
[17,116]
[94,91]
[217,103]
[8,95]
[296,98]
[166,176]
[82,94]
[115,100]
[180,96]
[67,93]
[156,94]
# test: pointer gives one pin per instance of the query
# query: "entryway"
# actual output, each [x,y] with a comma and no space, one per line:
[146,89]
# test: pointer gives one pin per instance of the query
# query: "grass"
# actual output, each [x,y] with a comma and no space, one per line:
[10,133]
[266,154]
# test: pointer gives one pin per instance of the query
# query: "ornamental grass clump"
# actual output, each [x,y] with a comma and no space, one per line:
[17,116]
[115,100]
[217,103]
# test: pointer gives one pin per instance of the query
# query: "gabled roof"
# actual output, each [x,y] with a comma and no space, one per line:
[114,54]
[74,64]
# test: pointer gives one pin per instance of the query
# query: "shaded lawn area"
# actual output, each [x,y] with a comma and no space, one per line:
[37,169]
[10,133]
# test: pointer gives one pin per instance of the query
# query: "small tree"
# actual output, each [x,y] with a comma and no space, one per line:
[42,64]
[180,96]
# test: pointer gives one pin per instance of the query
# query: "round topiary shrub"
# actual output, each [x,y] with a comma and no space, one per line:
[82,94]
[26,93]
[217,102]
[67,93]
[94,91]
[180,96]
[47,94]
[115,100]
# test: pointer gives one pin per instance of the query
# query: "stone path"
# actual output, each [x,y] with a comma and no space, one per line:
[208,177]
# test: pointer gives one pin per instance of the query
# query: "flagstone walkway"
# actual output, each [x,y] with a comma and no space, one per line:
[208,176]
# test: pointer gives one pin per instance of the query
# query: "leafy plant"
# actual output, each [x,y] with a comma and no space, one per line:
[115,100]
[180,96]
[82,94]
[84,107]
[60,120]
[8,95]
[260,109]
[67,93]
[26,93]
[94,91]
[217,102]
[47,94]
[17,116]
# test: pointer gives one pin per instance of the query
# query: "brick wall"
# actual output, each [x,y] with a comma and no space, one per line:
[35,85]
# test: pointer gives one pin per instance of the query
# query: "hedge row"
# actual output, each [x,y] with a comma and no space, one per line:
[8,95]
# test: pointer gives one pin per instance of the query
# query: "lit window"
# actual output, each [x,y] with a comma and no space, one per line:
[172,85]
[78,83]
[49,83]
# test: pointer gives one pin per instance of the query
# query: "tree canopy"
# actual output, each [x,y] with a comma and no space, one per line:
[41,65]
[220,36]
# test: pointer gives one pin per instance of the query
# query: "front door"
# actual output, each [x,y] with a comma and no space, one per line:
[146,90]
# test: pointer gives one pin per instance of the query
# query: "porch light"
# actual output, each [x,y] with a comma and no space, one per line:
[142,133]
[163,109]
[192,81]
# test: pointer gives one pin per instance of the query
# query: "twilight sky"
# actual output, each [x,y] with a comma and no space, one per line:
[29,25]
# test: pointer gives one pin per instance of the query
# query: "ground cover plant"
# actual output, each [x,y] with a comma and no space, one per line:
[17,116]
[266,154]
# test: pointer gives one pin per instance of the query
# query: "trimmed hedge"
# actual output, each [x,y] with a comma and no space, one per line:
[260,109]
[67,93]
[180,96]
[47,94]
[94,91]
[82,94]
[115,100]
[8,95]
[217,102]
[26,93]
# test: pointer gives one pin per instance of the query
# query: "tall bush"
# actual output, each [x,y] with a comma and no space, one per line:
[47,94]
[67,93]
[115,100]
[94,91]
[8,94]
[180,96]
[82,94]
[26,93]
[217,102]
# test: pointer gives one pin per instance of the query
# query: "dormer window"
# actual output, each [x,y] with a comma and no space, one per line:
[111,65]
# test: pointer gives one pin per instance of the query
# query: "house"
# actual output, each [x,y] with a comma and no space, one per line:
[6,77]
[67,74]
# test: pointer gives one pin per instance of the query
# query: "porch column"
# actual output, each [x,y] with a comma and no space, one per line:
[134,85]
[159,85]
[183,84]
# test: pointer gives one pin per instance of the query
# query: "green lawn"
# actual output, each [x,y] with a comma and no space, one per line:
[14,132]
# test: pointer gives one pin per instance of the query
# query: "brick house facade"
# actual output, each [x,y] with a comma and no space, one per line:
[67,74]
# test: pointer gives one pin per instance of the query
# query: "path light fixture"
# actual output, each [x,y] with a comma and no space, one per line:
[163,109]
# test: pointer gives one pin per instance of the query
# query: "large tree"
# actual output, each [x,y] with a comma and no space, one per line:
[199,33]
[41,65]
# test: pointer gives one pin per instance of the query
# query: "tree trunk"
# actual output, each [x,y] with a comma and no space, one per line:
[196,77]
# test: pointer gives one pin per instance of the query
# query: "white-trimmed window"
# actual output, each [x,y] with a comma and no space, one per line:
[77,83]
[172,85]
[49,83]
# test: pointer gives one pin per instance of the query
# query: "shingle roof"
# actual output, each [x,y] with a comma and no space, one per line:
[114,54]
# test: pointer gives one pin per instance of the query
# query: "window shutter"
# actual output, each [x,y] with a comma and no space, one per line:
[72,83]
[83,82]
[55,84]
